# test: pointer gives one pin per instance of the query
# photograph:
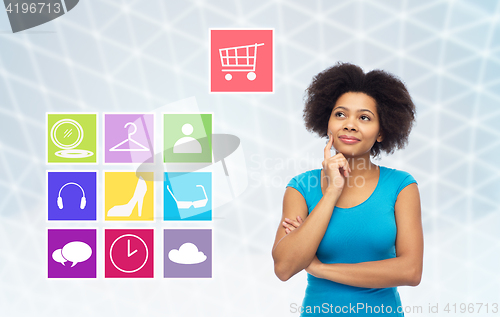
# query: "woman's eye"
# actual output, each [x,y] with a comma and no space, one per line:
[364,118]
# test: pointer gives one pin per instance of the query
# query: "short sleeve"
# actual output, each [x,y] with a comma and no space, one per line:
[298,183]
[407,180]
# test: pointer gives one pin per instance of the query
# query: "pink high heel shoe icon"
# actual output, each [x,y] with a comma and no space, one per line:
[126,210]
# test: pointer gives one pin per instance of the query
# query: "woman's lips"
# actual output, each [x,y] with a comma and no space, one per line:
[348,141]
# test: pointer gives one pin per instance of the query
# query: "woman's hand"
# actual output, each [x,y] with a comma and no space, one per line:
[291,225]
[315,267]
[335,169]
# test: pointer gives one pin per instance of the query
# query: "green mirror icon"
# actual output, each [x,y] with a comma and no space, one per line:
[71,138]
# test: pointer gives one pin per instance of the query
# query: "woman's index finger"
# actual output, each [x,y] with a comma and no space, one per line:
[328,147]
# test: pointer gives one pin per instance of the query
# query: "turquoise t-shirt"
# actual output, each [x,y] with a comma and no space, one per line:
[366,232]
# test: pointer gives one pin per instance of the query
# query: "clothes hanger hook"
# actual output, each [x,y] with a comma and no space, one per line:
[135,128]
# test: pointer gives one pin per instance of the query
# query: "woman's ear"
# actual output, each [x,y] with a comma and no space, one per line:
[380,137]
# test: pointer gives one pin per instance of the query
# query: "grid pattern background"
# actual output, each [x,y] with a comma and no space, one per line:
[129,56]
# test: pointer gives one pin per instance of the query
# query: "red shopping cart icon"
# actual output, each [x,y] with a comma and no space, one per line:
[241,60]
[246,62]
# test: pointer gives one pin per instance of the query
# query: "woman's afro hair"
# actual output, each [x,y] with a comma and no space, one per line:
[395,108]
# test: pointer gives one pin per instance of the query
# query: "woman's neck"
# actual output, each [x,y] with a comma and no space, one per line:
[361,166]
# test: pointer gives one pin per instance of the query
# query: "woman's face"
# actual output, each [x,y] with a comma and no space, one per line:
[354,115]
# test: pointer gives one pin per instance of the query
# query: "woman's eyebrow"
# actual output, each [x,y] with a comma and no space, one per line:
[359,110]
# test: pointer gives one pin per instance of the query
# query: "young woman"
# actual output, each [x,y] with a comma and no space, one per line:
[354,226]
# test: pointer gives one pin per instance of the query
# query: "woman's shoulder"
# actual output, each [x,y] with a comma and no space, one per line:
[309,173]
[395,174]
[306,181]
[397,179]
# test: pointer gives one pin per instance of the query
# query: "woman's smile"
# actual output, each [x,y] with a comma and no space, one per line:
[349,141]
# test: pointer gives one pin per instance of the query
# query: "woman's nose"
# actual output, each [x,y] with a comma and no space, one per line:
[349,126]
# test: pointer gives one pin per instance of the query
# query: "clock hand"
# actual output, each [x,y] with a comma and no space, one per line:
[128,250]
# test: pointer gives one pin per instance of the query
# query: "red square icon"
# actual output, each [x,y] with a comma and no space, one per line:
[128,253]
[241,60]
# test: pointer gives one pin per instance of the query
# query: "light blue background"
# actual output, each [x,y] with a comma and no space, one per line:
[183,186]
[136,56]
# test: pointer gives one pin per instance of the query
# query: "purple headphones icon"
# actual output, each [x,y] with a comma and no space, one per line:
[83,201]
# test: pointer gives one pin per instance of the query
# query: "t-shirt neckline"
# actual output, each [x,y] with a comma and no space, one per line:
[366,200]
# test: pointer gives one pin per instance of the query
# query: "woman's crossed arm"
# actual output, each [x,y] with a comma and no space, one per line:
[404,269]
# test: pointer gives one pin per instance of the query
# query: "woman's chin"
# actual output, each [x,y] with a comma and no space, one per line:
[352,153]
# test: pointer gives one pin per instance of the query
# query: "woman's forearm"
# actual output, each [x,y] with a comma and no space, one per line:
[295,250]
[393,272]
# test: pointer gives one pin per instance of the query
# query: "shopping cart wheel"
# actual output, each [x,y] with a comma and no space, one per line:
[228,76]
[251,76]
